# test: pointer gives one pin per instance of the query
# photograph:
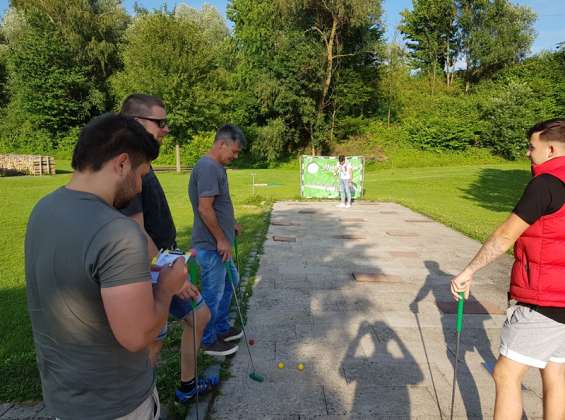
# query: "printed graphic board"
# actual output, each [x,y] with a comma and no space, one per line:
[318,178]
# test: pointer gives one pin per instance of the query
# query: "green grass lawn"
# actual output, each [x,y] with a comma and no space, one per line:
[472,199]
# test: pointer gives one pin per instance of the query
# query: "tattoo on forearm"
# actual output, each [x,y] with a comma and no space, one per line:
[491,250]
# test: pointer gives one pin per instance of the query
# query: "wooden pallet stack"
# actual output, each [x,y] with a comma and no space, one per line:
[12,164]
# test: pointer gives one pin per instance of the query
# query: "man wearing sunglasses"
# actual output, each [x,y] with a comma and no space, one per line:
[151,210]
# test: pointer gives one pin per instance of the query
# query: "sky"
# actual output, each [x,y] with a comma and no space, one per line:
[549,24]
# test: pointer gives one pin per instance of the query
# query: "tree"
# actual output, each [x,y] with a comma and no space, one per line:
[486,35]
[3,70]
[394,72]
[297,57]
[430,28]
[347,30]
[177,56]
[58,61]
[493,34]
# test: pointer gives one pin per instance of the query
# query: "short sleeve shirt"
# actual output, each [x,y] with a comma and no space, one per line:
[544,194]
[344,170]
[76,244]
[157,218]
[209,179]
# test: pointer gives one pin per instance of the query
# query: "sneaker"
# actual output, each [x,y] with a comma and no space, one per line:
[232,334]
[203,385]
[347,205]
[220,348]
[341,205]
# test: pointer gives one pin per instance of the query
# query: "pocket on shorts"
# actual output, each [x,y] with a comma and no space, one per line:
[157,408]
[511,314]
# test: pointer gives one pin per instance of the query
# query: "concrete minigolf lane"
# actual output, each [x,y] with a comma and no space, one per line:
[379,344]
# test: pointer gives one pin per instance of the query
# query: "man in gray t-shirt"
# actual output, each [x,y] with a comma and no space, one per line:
[213,236]
[92,307]
[209,179]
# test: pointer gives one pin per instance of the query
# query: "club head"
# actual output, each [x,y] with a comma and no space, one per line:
[256,377]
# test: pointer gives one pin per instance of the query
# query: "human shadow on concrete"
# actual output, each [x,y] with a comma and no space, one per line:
[473,339]
[388,371]
[497,189]
[308,307]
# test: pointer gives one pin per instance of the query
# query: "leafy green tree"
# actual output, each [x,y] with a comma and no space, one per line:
[431,30]
[486,35]
[58,60]
[303,61]
[349,32]
[3,71]
[504,132]
[517,98]
[177,56]
[494,34]
[277,74]
[394,72]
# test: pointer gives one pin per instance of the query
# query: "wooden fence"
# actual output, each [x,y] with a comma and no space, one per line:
[27,164]
[171,168]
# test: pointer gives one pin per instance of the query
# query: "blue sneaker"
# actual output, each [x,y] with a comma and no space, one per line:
[203,385]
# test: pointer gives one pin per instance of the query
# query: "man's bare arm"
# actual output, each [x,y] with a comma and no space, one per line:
[208,215]
[496,245]
[152,248]
[137,311]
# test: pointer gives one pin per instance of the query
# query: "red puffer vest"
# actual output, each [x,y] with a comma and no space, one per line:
[538,273]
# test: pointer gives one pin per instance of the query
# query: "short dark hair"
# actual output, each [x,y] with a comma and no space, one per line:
[109,135]
[550,130]
[140,104]
[232,134]
[341,158]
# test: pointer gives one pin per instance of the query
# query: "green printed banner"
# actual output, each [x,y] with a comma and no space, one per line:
[318,177]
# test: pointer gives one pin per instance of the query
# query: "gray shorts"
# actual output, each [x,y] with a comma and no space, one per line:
[150,409]
[531,338]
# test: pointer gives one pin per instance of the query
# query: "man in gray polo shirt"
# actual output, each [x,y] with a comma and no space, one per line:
[92,306]
[213,236]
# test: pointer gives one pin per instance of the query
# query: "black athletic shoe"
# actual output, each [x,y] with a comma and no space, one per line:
[233,334]
[220,348]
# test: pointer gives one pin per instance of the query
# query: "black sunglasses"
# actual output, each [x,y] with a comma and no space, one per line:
[161,122]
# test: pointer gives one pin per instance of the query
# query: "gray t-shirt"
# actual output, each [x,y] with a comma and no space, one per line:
[75,245]
[209,179]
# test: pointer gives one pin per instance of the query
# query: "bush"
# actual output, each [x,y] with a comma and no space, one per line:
[399,152]
[348,126]
[448,120]
[199,146]
[441,133]
[25,139]
[269,141]
[508,112]
[519,97]
[392,136]
[66,143]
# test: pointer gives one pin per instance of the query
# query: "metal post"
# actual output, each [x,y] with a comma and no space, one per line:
[177,155]
[253,184]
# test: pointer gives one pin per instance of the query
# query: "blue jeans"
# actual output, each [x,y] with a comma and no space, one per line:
[217,292]
[344,190]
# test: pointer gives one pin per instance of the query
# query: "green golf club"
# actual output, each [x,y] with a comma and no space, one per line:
[253,375]
[193,270]
[459,327]
[236,253]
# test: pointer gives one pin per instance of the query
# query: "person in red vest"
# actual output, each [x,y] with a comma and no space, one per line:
[534,331]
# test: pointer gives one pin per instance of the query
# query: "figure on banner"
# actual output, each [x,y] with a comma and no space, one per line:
[344,171]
